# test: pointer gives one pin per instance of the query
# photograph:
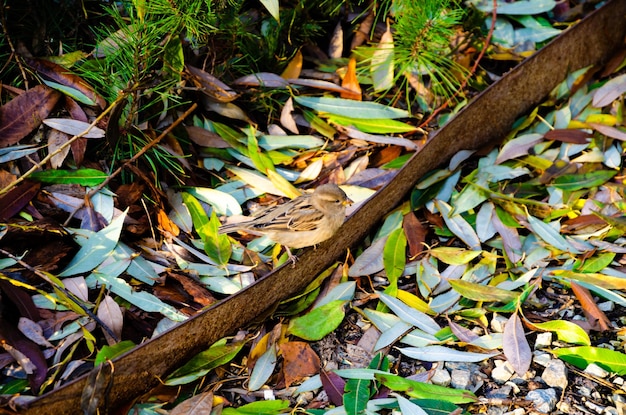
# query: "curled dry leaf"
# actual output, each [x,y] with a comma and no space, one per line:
[25,112]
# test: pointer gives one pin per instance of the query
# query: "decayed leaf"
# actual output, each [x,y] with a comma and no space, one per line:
[25,112]
[334,386]
[17,198]
[335,47]
[286,118]
[265,79]
[515,345]
[299,361]
[56,139]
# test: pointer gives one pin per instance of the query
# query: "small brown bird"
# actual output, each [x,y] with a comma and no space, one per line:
[304,221]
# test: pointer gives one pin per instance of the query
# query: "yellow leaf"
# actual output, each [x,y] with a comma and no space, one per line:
[351,82]
[292,71]
[282,184]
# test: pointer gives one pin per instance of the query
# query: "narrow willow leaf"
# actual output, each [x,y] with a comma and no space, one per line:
[382,64]
[351,108]
[260,407]
[276,142]
[83,177]
[566,331]
[263,369]
[581,356]
[344,291]
[222,202]
[370,261]
[261,160]
[479,292]
[610,91]
[372,125]
[458,225]
[74,127]
[394,256]
[217,246]
[256,181]
[357,393]
[454,256]
[410,315]
[319,322]
[596,263]
[515,346]
[97,248]
[71,92]
[444,354]
[202,363]
[272,7]
[283,185]
[421,390]
[573,182]
[550,235]
[407,407]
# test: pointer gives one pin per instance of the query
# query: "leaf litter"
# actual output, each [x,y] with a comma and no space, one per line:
[498,237]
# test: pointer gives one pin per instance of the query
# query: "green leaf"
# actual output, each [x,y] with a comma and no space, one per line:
[83,177]
[394,256]
[357,393]
[260,160]
[111,352]
[421,390]
[594,264]
[479,292]
[581,356]
[259,408]
[318,322]
[572,182]
[216,245]
[566,331]
[454,256]
[351,108]
[71,92]
[202,363]
[97,248]
[372,125]
[522,7]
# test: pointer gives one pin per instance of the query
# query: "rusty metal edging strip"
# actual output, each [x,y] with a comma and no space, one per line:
[485,121]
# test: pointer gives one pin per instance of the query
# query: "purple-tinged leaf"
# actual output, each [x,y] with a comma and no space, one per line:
[609,92]
[517,147]
[17,199]
[333,386]
[30,356]
[515,346]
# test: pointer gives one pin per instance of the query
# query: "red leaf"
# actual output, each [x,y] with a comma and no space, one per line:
[568,136]
[596,317]
[25,112]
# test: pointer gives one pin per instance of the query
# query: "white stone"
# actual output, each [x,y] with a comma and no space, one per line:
[595,370]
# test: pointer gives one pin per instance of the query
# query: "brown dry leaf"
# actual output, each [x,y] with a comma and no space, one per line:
[515,345]
[25,112]
[351,82]
[385,155]
[56,139]
[299,362]
[201,403]
[78,146]
[293,69]
[363,32]
[111,314]
[286,117]
[596,317]
[63,76]
[17,198]
[415,234]
[206,138]
[194,289]
[211,86]
[568,136]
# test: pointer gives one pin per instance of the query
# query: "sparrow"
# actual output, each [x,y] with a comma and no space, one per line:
[304,221]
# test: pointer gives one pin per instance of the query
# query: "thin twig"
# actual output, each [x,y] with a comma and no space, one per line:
[472,71]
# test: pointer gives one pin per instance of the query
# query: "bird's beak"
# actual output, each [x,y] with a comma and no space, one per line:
[347,202]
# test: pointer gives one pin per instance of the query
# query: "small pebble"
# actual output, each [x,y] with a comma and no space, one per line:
[618,381]
[544,400]
[502,372]
[595,370]
[606,306]
[460,379]
[498,322]
[515,388]
[541,358]
[543,340]
[518,411]
[609,410]
[441,377]
[598,409]
[555,374]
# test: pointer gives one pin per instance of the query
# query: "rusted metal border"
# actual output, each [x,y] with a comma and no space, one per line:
[485,121]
